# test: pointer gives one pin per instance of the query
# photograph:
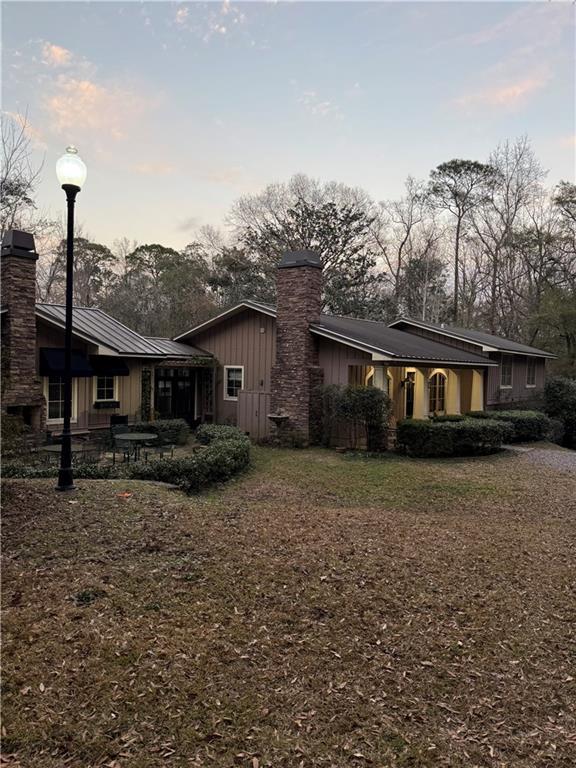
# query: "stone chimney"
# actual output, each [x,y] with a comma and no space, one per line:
[296,376]
[21,387]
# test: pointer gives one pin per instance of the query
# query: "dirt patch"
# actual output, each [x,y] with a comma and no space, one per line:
[321,611]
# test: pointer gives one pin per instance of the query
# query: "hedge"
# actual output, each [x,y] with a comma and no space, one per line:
[528,425]
[208,433]
[468,437]
[224,455]
[560,404]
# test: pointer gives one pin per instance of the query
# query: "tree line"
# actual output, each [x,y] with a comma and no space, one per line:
[484,245]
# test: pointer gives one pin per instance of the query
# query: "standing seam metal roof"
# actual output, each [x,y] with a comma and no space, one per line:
[102,329]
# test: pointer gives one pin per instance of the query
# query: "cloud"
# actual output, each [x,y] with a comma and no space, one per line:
[509,95]
[568,141]
[83,105]
[314,104]
[55,55]
[181,15]
[154,169]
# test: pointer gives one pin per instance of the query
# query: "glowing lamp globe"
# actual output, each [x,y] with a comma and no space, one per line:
[70,169]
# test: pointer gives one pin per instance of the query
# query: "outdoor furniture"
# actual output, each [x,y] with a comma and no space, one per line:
[132,442]
[50,452]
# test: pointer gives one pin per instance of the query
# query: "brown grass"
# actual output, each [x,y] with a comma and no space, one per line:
[321,611]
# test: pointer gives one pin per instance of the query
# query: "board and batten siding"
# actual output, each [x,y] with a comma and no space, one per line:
[249,340]
[499,396]
[335,358]
[129,387]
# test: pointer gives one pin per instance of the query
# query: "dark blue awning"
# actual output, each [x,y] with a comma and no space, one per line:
[52,363]
[108,365]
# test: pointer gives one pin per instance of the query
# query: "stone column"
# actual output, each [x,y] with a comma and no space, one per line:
[296,375]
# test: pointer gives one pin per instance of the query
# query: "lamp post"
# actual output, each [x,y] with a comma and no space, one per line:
[71,173]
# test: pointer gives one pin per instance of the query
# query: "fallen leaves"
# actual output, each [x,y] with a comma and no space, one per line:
[281,623]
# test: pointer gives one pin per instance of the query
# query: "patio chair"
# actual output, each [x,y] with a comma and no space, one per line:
[163,446]
[120,446]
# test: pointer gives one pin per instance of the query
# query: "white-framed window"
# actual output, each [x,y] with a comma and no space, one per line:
[105,388]
[233,381]
[531,372]
[506,372]
[54,394]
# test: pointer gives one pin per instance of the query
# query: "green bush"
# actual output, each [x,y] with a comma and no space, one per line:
[448,417]
[14,432]
[226,452]
[219,461]
[364,409]
[528,425]
[423,438]
[560,403]
[169,431]
[208,433]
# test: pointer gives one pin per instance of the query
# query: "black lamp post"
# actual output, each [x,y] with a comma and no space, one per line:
[71,173]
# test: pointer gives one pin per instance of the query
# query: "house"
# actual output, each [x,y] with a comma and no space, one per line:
[254,365]
[274,360]
[118,375]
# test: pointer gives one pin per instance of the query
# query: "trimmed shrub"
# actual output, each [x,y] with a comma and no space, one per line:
[169,431]
[365,409]
[560,403]
[423,438]
[448,417]
[208,433]
[528,425]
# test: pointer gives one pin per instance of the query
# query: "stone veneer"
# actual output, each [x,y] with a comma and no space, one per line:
[21,386]
[296,376]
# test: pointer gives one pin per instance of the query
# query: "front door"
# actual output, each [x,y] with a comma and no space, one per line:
[175,393]
[409,384]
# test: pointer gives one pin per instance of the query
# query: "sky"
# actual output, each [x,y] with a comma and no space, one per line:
[180,108]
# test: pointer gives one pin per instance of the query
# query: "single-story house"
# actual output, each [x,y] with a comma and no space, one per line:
[119,376]
[249,363]
[274,360]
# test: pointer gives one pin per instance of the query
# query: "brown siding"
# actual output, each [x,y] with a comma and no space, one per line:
[129,387]
[239,341]
[335,359]
[519,392]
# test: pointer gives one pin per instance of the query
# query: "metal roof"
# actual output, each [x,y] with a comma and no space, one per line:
[176,348]
[368,335]
[485,340]
[98,327]
[398,345]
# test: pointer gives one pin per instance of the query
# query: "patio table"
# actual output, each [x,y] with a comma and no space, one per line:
[138,438]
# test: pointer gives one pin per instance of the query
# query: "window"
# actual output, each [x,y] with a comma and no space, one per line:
[437,393]
[54,394]
[105,388]
[506,371]
[233,381]
[531,372]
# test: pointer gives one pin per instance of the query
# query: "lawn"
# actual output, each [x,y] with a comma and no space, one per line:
[320,610]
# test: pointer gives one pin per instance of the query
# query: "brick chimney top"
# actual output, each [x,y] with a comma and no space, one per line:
[18,243]
[300,259]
